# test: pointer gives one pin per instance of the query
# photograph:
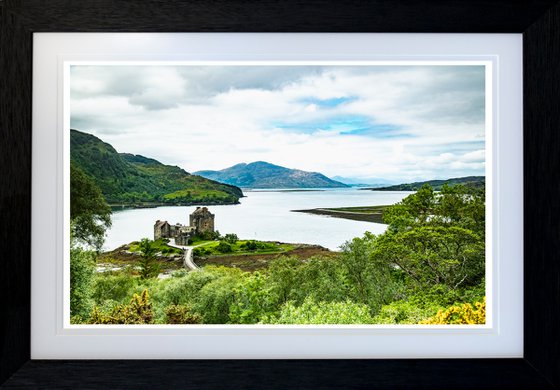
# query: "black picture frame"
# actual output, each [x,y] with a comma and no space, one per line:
[537,20]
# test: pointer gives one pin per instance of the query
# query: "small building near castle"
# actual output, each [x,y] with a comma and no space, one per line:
[201,221]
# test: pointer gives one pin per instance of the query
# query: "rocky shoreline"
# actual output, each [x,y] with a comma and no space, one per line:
[376,217]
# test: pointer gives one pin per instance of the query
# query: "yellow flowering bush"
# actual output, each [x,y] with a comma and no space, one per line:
[138,311]
[463,314]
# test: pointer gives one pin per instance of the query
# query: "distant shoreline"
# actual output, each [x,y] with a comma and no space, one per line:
[283,190]
[366,213]
[152,205]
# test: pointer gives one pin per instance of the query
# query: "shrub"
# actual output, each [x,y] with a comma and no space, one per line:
[113,287]
[463,314]
[180,314]
[138,311]
[250,245]
[224,247]
[214,299]
[311,312]
[253,300]
[231,238]
[403,312]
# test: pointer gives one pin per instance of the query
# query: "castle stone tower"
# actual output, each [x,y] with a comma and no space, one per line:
[202,220]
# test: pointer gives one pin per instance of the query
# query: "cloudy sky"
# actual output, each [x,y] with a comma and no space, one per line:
[398,123]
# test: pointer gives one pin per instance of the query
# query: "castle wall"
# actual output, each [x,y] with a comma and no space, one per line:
[202,220]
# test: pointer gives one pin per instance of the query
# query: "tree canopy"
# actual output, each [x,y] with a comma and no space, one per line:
[90,215]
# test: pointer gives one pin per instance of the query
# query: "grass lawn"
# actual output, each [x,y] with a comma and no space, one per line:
[241,247]
[160,246]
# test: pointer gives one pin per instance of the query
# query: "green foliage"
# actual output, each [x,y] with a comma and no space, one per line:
[206,236]
[436,238]
[224,247]
[430,258]
[253,245]
[458,206]
[231,238]
[117,288]
[311,312]
[82,270]
[404,312]
[201,252]
[89,213]
[159,245]
[138,311]
[250,245]
[322,279]
[149,267]
[291,279]
[179,314]
[238,247]
[370,279]
[253,300]
[431,255]
[128,178]
[215,298]
[284,278]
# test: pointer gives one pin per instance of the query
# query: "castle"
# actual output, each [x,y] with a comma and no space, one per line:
[201,221]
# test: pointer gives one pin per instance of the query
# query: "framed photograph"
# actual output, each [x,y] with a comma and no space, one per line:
[284,196]
[384,226]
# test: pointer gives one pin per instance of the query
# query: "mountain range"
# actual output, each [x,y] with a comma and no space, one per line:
[262,174]
[126,178]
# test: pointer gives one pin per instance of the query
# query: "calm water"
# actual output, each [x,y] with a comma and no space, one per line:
[265,215]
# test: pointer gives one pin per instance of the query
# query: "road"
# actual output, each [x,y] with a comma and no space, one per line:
[188,259]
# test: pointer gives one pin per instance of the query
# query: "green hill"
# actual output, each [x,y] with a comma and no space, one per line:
[131,179]
[261,174]
[470,181]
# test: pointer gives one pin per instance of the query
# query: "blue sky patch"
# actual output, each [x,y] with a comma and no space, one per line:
[328,103]
[357,125]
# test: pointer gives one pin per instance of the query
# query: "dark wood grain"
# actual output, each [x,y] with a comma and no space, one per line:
[539,19]
[281,374]
[542,194]
[15,193]
[280,16]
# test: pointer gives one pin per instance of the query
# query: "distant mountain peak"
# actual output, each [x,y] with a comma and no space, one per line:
[262,174]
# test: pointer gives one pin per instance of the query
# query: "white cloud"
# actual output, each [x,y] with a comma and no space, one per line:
[403,123]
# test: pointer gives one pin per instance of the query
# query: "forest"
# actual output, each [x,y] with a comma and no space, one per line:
[427,268]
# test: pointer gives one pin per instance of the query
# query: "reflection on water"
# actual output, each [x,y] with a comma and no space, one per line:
[265,215]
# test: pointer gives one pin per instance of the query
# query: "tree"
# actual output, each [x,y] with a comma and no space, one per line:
[370,279]
[432,255]
[149,267]
[436,237]
[82,270]
[89,212]
[253,300]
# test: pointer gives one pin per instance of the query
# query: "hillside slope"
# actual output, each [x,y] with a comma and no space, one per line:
[127,178]
[471,181]
[261,174]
